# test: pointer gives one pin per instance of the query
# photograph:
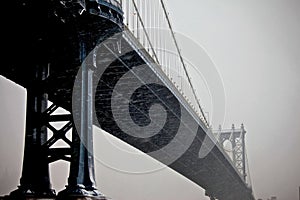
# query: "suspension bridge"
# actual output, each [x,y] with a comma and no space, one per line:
[110,63]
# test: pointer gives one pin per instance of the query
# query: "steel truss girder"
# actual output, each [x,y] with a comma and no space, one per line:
[237,139]
[55,154]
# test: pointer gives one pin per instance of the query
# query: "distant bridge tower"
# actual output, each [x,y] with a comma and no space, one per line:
[236,137]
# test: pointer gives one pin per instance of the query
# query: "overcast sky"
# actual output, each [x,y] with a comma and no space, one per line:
[255,46]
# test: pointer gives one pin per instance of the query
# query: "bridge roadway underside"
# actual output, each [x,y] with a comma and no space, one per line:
[129,84]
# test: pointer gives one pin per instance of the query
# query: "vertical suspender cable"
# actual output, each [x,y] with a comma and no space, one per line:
[158,31]
[144,18]
[137,23]
[182,61]
[160,38]
[154,28]
[146,33]
[132,28]
[127,13]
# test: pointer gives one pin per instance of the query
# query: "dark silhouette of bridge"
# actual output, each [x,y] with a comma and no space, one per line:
[88,55]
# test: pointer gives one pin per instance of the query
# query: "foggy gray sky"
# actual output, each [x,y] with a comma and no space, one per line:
[255,46]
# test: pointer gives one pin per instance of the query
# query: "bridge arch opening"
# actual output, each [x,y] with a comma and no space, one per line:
[227,146]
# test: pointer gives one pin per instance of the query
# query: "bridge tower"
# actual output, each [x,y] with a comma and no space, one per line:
[46,49]
[236,137]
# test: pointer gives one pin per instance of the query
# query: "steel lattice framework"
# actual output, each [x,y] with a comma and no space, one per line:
[237,139]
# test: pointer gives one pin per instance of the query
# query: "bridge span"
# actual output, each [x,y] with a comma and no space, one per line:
[99,61]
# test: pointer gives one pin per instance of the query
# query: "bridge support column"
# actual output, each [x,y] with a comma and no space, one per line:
[81,181]
[35,174]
